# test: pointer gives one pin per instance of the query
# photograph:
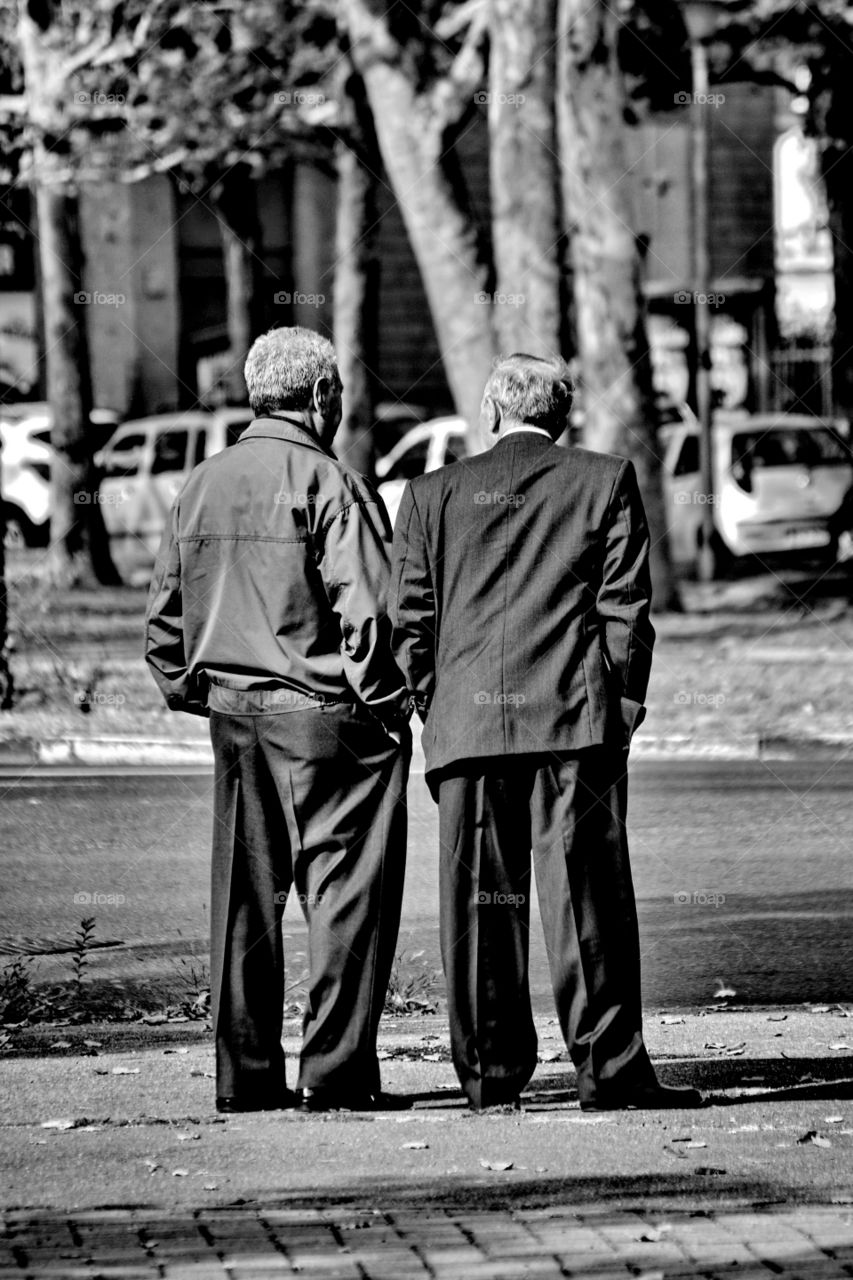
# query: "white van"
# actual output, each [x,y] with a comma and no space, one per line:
[146,462]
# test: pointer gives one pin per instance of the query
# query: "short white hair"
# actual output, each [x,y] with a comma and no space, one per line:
[530,389]
[283,366]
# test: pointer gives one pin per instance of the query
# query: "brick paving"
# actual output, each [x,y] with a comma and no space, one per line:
[797,1242]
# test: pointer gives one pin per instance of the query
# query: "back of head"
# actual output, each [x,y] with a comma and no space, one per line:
[283,367]
[531,390]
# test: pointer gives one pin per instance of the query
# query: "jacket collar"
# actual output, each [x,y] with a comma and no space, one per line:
[284,429]
[525,440]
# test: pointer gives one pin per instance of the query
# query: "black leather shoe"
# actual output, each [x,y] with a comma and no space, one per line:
[323,1099]
[262,1102]
[653,1097]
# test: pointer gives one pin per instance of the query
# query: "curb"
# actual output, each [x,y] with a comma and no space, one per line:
[77,750]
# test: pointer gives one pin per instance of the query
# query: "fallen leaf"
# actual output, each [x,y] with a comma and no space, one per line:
[841,1045]
[833,1119]
[188,1137]
[815,1138]
[415,1146]
[125,1071]
[654,1234]
[497,1166]
[180,1173]
[211,1186]
[778,1017]
[152,1165]
[710,1044]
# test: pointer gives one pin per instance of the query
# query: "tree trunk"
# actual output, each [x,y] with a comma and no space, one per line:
[414,146]
[236,202]
[79,552]
[617,389]
[838,177]
[523,173]
[79,543]
[356,287]
[6,688]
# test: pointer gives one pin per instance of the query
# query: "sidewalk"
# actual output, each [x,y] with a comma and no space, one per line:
[116,1165]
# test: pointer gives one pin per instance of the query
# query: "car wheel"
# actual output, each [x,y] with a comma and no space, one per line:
[19,531]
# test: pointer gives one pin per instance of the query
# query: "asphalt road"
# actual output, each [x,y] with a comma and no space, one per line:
[742,870]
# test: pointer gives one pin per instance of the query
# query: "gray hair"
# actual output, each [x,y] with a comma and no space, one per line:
[284,364]
[529,389]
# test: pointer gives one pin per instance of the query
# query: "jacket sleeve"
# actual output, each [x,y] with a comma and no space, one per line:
[355,569]
[413,609]
[164,633]
[625,596]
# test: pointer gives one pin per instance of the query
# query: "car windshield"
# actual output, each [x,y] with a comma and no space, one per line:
[790,447]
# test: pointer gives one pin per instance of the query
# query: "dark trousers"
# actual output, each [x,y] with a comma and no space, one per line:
[571,812]
[315,800]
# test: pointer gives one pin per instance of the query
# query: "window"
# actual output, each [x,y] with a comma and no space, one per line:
[170,452]
[789,447]
[410,464]
[454,449]
[687,462]
[123,457]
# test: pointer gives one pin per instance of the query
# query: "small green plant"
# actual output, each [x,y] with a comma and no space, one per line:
[83,941]
[17,997]
[412,986]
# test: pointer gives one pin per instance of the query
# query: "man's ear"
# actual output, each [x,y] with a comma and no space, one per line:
[490,417]
[322,394]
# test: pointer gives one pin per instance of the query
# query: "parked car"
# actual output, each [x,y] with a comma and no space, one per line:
[424,448]
[778,481]
[145,463]
[26,463]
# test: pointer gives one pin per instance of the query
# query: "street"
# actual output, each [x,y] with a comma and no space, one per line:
[742,870]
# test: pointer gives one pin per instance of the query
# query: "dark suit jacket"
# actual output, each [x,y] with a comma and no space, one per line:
[520,598]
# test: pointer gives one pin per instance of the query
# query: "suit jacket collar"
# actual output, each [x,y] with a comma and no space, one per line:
[531,440]
[290,429]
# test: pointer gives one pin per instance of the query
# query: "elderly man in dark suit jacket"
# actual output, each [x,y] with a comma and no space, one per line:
[520,598]
[268,613]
